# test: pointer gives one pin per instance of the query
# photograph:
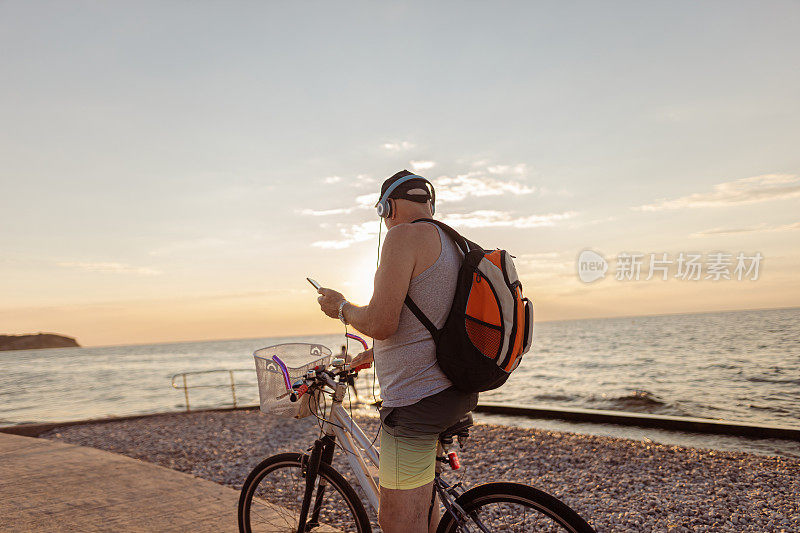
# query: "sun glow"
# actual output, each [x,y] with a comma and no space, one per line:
[359,281]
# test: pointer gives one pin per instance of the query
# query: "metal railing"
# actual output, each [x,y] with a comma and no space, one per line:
[230,371]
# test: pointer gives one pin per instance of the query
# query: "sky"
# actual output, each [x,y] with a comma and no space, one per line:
[174,170]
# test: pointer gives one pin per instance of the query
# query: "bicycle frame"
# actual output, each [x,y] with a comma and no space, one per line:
[360,452]
[357,446]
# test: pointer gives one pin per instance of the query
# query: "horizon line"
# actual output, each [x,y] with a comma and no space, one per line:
[225,339]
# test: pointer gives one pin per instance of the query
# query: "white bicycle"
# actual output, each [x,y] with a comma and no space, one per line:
[298,492]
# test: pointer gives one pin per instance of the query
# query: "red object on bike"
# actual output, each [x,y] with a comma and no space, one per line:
[361,367]
[452,458]
[295,395]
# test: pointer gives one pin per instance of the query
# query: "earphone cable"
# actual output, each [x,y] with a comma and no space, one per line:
[380,227]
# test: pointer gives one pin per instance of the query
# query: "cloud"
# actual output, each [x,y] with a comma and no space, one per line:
[738,192]
[362,180]
[477,183]
[116,268]
[367,200]
[760,228]
[422,165]
[455,189]
[493,219]
[538,256]
[358,181]
[333,245]
[518,169]
[351,234]
[325,212]
[190,245]
[448,189]
[546,268]
[546,191]
[399,146]
[593,222]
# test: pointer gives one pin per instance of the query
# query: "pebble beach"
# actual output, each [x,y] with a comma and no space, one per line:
[616,484]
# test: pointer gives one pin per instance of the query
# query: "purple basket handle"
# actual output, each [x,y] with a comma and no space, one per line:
[285,372]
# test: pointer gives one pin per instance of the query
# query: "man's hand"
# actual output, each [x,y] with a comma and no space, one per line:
[329,302]
[362,359]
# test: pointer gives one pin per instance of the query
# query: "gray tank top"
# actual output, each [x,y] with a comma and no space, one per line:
[406,362]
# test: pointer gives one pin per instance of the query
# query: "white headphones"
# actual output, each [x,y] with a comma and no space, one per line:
[384,207]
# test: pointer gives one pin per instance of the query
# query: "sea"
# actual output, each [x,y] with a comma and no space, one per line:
[737,366]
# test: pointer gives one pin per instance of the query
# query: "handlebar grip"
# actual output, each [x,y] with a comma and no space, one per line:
[361,367]
[295,395]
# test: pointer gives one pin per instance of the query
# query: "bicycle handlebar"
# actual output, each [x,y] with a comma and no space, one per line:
[296,394]
[326,376]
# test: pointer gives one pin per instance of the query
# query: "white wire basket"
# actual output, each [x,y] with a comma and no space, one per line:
[298,358]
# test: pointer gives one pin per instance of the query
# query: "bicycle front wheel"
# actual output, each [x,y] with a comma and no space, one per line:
[513,507]
[273,494]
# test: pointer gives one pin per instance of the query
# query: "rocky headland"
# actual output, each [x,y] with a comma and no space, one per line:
[36,342]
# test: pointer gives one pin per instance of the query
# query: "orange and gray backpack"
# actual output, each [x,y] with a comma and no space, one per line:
[490,325]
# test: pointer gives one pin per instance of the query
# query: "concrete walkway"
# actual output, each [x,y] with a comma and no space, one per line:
[51,486]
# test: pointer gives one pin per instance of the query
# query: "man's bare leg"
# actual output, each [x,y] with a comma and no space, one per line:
[434,521]
[405,511]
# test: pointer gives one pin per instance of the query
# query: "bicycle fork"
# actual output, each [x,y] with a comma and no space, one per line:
[322,452]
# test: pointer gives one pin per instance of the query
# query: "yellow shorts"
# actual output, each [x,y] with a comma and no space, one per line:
[407,462]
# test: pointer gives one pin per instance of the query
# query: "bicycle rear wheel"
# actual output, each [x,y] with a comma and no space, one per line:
[514,507]
[271,498]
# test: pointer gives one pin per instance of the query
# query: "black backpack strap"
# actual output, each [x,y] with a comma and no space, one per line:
[460,241]
[422,318]
[465,246]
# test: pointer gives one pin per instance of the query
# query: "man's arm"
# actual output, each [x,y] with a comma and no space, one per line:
[379,319]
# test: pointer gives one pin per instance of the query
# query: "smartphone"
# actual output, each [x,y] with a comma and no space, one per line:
[314,283]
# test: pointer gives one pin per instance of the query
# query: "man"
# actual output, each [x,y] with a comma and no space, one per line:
[419,401]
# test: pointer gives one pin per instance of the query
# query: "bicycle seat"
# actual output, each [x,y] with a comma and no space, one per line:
[460,428]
